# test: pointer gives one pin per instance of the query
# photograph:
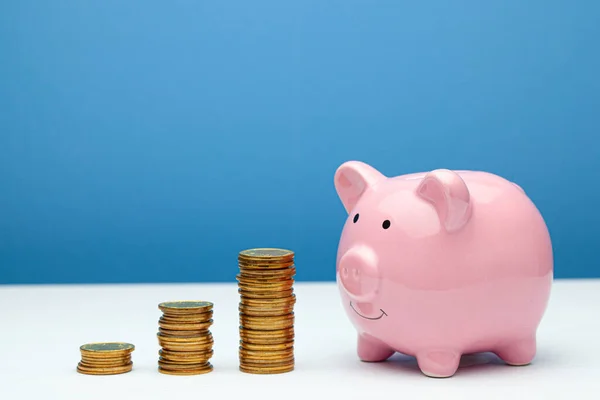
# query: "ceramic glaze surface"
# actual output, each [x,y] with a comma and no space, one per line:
[441,264]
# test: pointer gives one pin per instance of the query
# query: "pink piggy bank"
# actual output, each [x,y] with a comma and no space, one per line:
[440,264]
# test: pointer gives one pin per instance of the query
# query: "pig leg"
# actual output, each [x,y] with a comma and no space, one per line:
[438,363]
[519,352]
[372,350]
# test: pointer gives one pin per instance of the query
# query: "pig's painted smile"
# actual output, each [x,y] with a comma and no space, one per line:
[360,315]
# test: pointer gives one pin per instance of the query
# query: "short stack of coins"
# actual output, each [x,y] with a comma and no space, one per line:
[108,358]
[185,338]
[267,300]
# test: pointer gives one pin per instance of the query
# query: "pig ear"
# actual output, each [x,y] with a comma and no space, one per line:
[352,179]
[450,197]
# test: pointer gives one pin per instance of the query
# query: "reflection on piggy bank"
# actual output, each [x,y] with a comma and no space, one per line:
[440,264]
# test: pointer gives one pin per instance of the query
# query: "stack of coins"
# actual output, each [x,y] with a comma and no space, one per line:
[266,308]
[185,338]
[109,358]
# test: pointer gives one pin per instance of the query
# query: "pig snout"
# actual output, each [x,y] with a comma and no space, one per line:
[359,273]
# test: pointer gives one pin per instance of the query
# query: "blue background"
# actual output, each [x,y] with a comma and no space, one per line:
[150,141]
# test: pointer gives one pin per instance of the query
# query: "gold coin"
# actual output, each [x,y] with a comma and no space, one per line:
[102,366]
[204,327]
[252,280]
[182,364]
[188,360]
[104,371]
[95,363]
[197,371]
[265,253]
[266,295]
[186,319]
[185,307]
[100,362]
[103,349]
[261,333]
[260,369]
[266,353]
[266,276]
[268,280]
[266,311]
[200,326]
[268,356]
[265,288]
[185,326]
[181,334]
[263,269]
[247,270]
[199,342]
[182,340]
[187,348]
[284,273]
[108,367]
[179,365]
[266,326]
[266,267]
[273,299]
[268,341]
[278,301]
[263,280]
[202,315]
[186,345]
[258,312]
[269,301]
[272,364]
[184,354]
[266,347]
[267,338]
[284,332]
[286,317]
[267,334]
[274,308]
[176,363]
[275,323]
[95,358]
[265,261]
[265,361]
[285,341]
[190,316]
[271,311]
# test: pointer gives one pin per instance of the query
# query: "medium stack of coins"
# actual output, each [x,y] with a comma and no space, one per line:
[266,308]
[109,358]
[185,337]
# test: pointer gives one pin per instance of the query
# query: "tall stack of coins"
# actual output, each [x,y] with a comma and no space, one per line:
[108,358]
[185,338]
[266,308]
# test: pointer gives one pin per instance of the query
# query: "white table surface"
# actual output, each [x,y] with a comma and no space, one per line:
[42,328]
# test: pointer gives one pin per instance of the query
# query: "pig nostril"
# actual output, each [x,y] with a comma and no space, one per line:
[359,275]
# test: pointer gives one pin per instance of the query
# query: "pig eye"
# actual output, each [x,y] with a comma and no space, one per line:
[355,218]
[386,224]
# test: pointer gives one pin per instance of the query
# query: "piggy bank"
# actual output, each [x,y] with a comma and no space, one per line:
[440,264]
